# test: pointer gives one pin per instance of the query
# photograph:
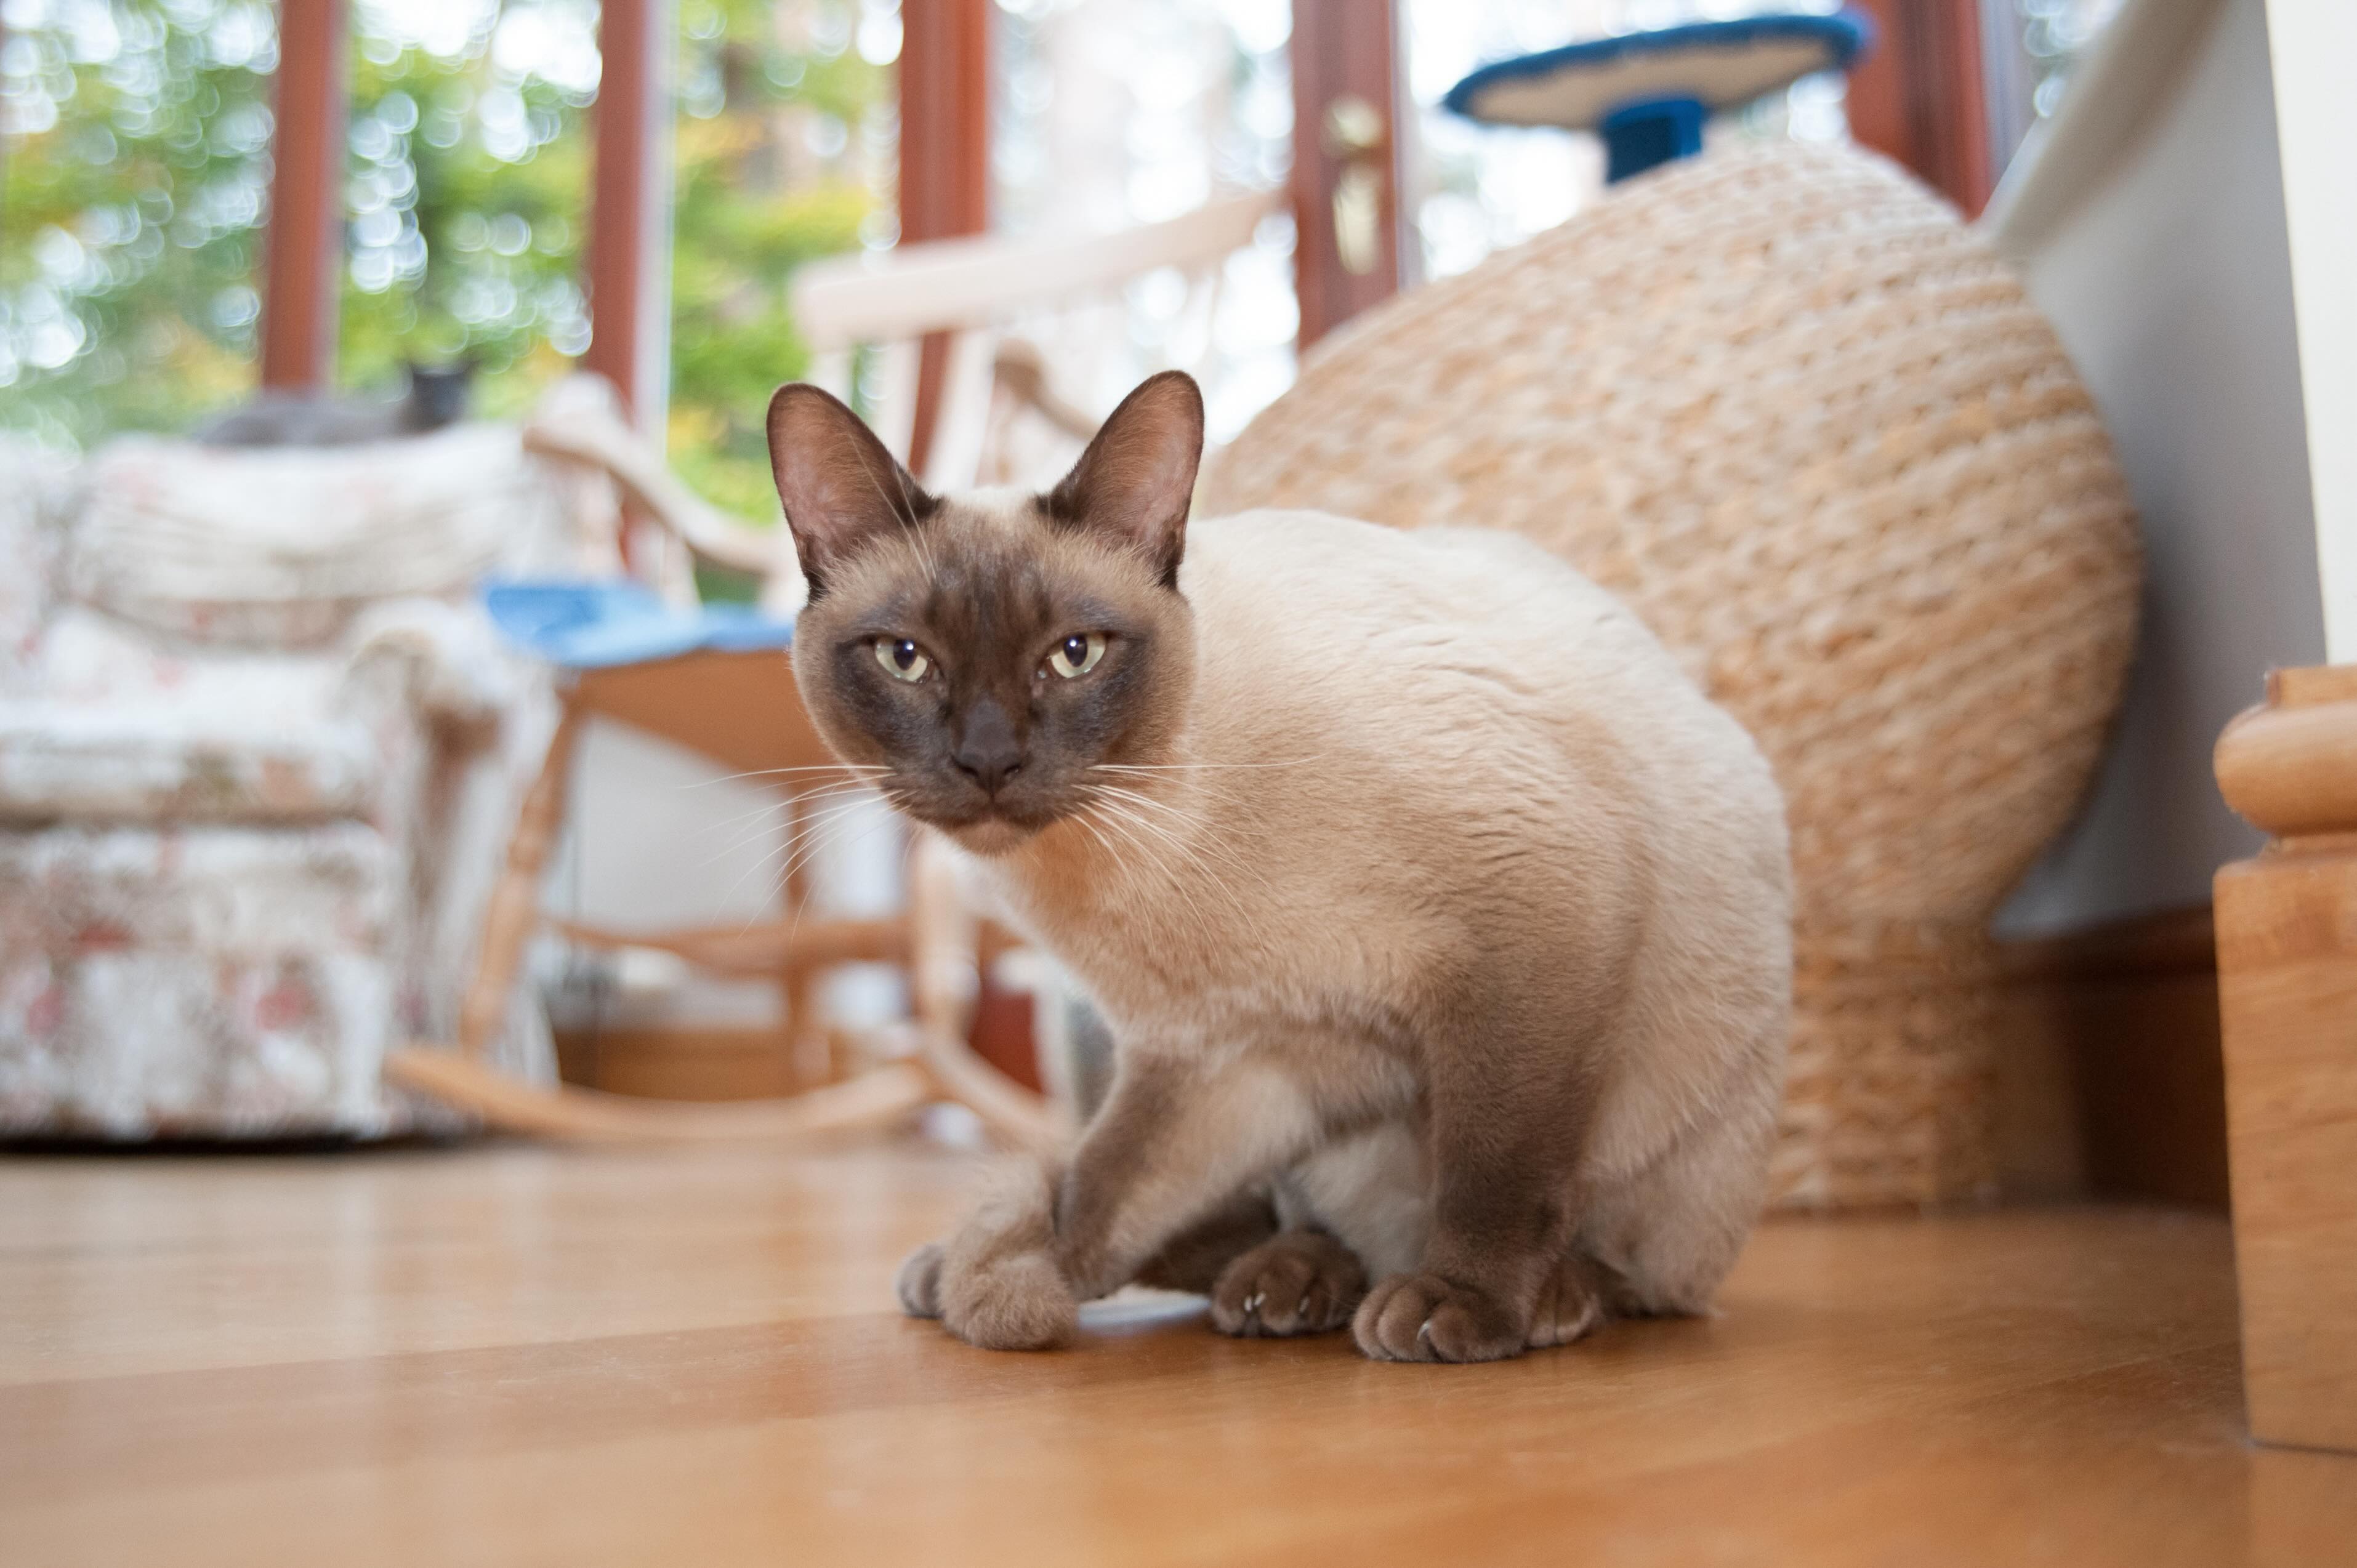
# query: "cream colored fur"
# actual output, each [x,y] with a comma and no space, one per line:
[1418,765]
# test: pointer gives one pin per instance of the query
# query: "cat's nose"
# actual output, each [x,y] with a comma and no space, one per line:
[989,752]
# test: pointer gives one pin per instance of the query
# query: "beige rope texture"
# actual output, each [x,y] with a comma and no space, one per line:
[1807,424]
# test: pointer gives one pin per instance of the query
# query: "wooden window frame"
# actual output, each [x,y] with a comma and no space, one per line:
[1919,98]
[625,269]
[304,245]
[626,262]
[944,175]
[1342,49]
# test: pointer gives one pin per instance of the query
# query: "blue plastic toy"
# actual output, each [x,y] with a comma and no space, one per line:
[1647,95]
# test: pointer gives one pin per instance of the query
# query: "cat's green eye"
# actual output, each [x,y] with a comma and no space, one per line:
[902,659]
[1077,654]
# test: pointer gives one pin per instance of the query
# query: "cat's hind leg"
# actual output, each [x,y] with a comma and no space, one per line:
[1194,1260]
[1358,1206]
[1657,1243]
[1663,1238]
[1509,1102]
[1297,1281]
[1574,1301]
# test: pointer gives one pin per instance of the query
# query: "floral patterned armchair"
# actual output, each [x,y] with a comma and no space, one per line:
[259,751]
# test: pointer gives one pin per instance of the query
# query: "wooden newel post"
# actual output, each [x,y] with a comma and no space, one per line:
[2286,925]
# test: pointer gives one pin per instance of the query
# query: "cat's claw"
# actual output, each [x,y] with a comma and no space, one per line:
[1423,1317]
[1300,1281]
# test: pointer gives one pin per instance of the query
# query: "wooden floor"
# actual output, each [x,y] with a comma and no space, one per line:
[442,1357]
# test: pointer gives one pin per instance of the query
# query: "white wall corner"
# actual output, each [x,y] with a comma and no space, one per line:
[2312,46]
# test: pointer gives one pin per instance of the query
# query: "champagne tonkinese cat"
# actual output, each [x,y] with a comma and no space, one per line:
[1443,924]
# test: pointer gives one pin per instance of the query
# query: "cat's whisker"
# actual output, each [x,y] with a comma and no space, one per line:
[743,841]
[816,821]
[1222,789]
[768,813]
[1177,880]
[782,801]
[1129,853]
[771,857]
[802,829]
[1174,845]
[1182,819]
[807,843]
[1207,842]
[916,530]
[1196,766]
[751,836]
[815,846]
[854,768]
[924,553]
[1089,825]
[795,920]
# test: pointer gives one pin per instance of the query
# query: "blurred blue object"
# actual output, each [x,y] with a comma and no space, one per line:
[1647,95]
[593,625]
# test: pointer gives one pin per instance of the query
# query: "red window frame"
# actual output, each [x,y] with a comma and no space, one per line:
[304,246]
[1918,99]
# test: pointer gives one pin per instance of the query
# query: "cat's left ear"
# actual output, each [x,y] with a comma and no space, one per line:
[1134,483]
[840,486]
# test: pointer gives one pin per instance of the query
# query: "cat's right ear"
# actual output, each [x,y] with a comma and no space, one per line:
[1135,482]
[840,486]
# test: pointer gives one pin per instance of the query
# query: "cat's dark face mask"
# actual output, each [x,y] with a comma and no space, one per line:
[997,663]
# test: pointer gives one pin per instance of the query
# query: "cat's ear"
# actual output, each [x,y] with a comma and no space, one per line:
[841,488]
[1134,483]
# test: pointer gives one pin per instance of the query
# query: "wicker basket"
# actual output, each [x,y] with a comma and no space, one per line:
[1805,422]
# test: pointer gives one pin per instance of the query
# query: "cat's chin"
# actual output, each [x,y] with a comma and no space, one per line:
[990,836]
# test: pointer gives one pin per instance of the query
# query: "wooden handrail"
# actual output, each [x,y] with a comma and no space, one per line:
[606,444]
[763,948]
[874,297]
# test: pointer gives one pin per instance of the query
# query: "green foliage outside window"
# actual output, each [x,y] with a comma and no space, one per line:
[137,161]
[466,193]
[138,139]
[774,105]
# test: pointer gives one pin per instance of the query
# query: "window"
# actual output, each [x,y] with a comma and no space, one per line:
[137,140]
[465,192]
[1473,188]
[783,151]
[1202,94]
[2032,48]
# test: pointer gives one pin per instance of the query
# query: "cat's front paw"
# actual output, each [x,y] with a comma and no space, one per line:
[1423,1317]
[996,1281]
[1301,1282]
[918,1283]
[1010,1301]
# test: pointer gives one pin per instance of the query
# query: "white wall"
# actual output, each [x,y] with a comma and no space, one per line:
[2314,44]
[2169,281]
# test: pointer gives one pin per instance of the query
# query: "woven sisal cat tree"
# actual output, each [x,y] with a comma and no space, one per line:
[1784,404]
